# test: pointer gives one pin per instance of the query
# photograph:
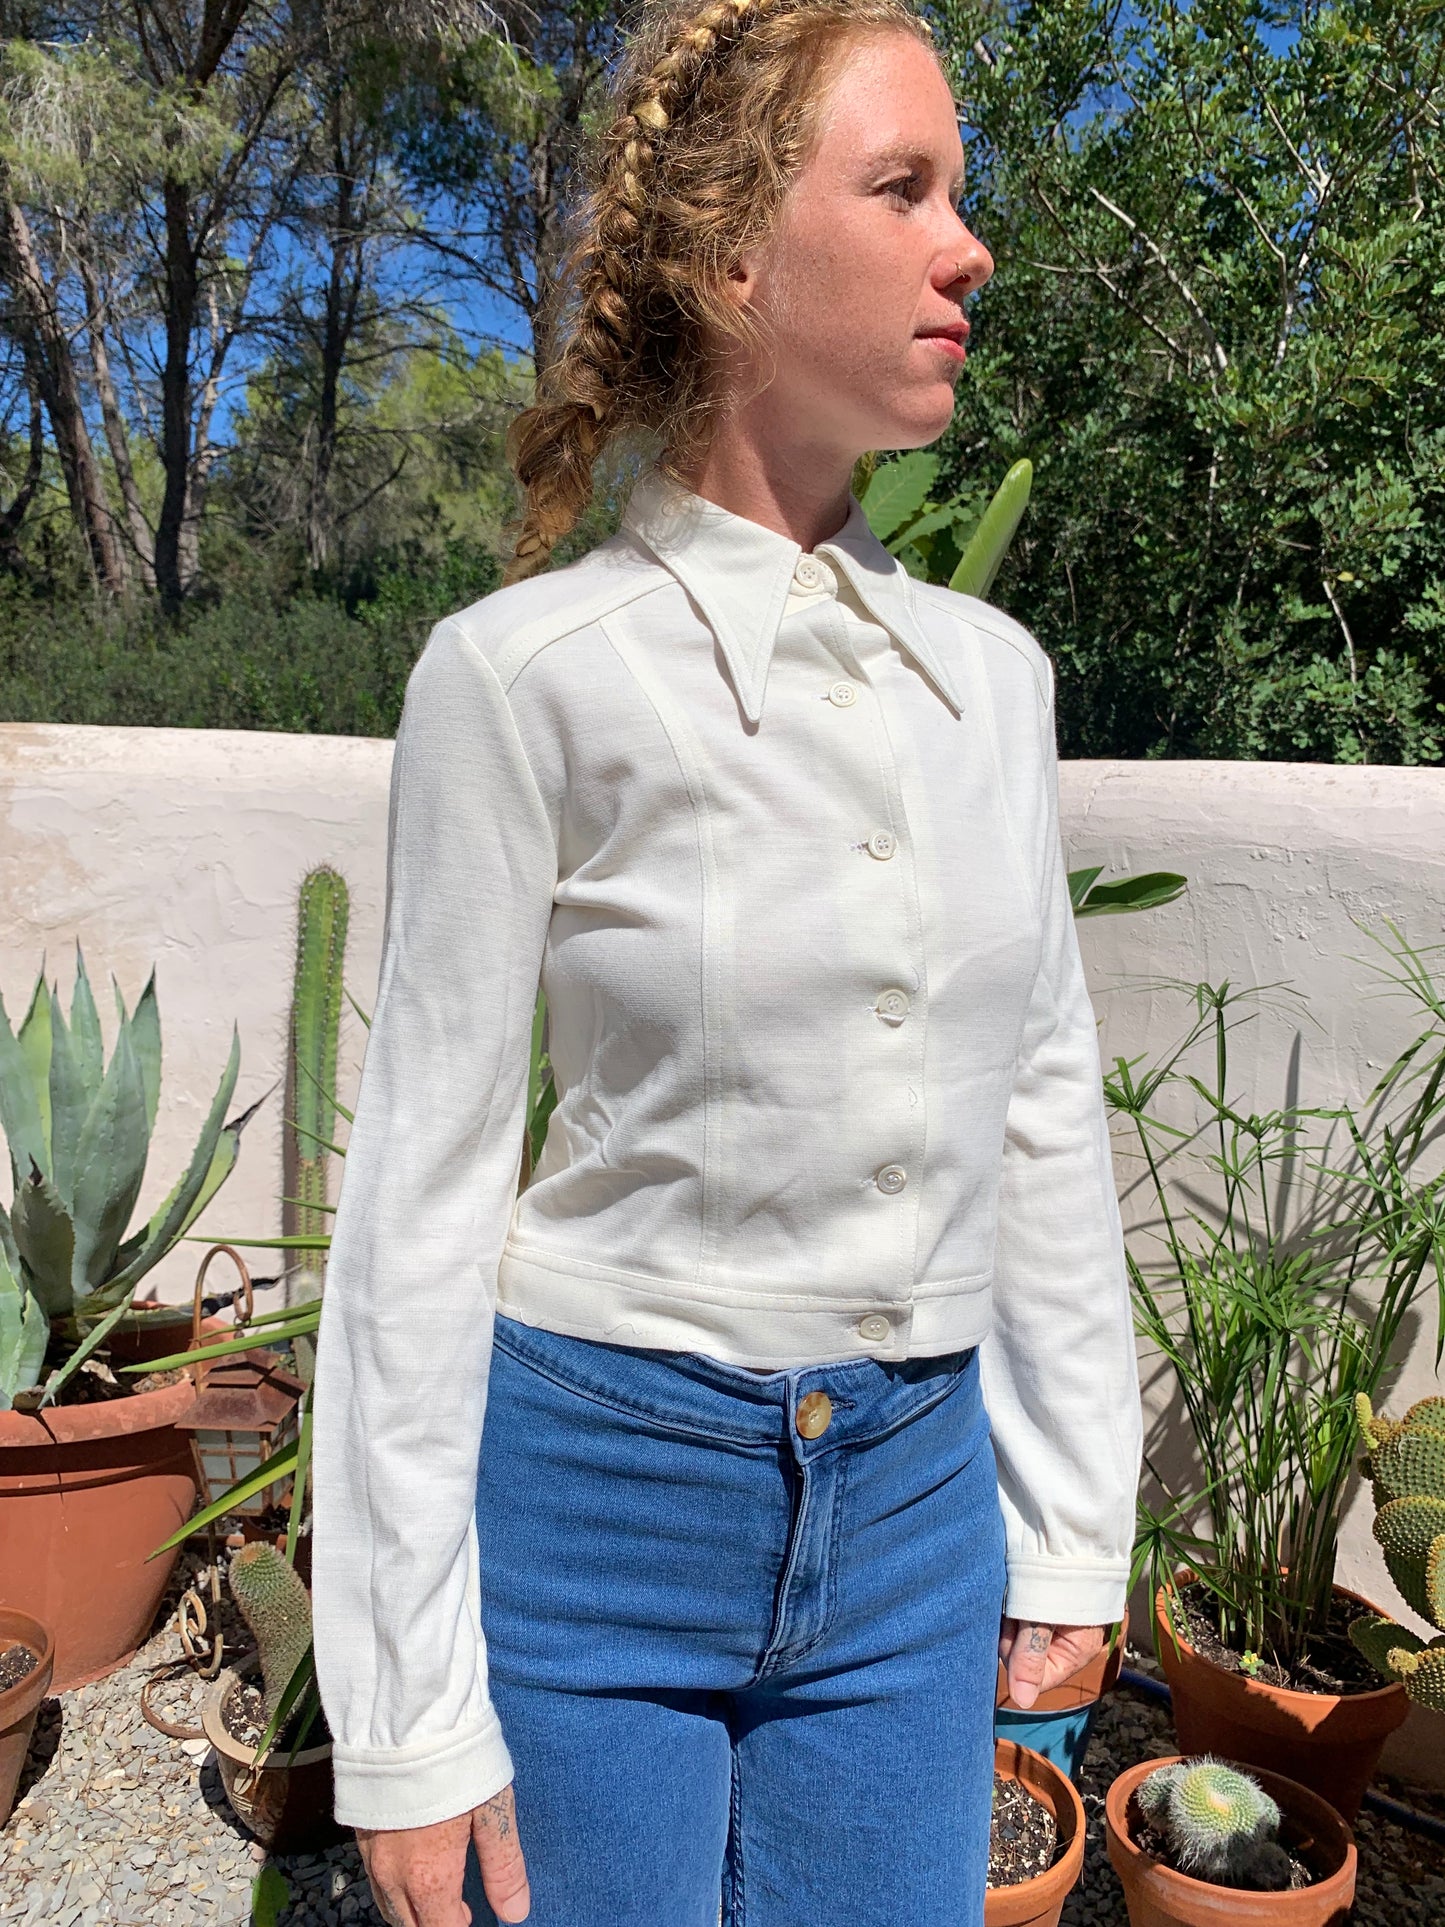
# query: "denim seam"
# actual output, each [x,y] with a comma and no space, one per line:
[737,1899]
[712,1434]
[792,1654]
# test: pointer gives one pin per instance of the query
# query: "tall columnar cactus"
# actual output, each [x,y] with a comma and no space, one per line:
[1220,1824]
[1406,1466]
[78,1132]
[321,923]
[275,1604]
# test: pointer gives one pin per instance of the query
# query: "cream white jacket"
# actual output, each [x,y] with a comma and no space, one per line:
[779,835]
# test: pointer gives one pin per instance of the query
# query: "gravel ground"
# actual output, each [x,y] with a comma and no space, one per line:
[119,1826]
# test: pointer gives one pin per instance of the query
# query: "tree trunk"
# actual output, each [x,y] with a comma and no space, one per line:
[53,365]
[12,519]
[142,540]
[180,312]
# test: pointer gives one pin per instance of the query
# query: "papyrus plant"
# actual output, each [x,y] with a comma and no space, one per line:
[1286,1286]
[78,1131]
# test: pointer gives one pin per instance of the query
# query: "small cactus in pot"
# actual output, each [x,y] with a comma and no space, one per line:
[275,1604]
[1406,1465]
[1219,1823]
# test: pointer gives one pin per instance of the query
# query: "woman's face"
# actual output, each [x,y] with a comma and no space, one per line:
[861,285]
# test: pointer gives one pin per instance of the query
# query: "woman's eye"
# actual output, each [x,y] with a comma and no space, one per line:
[908,187]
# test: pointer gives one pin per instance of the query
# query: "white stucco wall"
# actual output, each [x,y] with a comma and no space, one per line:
[184,849]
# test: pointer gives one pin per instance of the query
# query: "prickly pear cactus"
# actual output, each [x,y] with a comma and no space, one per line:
[1406,1464]
[1221,1824]
[276,1606]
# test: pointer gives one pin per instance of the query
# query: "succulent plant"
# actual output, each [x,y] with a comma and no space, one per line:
[1405,1463]
[275,1604]
[78,1132]
[1220,1823]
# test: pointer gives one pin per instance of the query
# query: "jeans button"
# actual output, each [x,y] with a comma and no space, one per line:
[814,1414]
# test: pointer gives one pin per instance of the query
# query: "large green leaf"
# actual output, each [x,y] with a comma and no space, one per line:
[897,491]
[1145,892]
[85,1025]
[110,1162]
[145,1037]
[45,1238]
[989,543]
[24,1068]
[70,1100]
[24,1334]
[211,1164]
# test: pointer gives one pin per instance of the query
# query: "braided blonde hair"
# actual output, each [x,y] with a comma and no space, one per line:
[715,112]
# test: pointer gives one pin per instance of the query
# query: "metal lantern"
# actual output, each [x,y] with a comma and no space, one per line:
[247,1408]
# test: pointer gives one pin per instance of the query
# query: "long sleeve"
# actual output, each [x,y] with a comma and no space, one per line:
[427,1192]
[1060,1374]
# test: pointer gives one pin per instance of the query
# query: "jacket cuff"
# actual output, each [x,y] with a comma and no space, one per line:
[1067,1592]
[417,1785]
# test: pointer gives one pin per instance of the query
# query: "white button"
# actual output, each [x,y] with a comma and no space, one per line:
[875,1326]
[882,843]
[842,693]
[808,574]
[892,1177]
[892,1006]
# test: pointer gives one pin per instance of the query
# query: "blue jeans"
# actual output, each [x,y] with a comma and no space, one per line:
[731,1659]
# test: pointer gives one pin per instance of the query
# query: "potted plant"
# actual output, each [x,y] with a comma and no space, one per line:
[92,1469]
[1270,1330]
[279,1786]
[1197,1843]
[1061,1720]
[1037,1900]
[27,1662]
[1406,1466]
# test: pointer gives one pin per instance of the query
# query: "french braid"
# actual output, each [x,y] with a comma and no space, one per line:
[715,109]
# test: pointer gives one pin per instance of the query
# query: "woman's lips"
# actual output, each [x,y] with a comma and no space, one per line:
[952,345]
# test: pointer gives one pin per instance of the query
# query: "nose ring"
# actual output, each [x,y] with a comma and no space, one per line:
[958,272]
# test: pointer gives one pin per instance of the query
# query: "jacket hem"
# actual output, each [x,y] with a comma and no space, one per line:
[751,1325]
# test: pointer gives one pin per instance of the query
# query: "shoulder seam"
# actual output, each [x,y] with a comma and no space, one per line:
[1000,632]
[508,661]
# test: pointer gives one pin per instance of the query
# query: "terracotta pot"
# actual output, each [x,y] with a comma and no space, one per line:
[1157,1896]
[21,1702]
[287,1806]
[1329,1742]
[86,1492]
[1040,1902]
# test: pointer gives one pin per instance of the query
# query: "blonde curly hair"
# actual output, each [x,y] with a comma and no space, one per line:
[715,112]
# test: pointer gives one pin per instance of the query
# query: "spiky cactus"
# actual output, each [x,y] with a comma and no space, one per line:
[275,1604]
[322,915]
[1406,1466]
[1221,1825]
[78,1131]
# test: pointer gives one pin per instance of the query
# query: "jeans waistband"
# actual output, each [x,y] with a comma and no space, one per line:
[690,1392]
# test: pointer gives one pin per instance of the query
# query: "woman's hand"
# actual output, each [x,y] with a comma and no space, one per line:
[1038,1657]
[416,1872]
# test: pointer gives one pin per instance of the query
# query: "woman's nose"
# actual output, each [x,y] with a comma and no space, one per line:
[970,261]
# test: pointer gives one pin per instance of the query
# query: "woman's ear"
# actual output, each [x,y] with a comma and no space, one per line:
[742,278]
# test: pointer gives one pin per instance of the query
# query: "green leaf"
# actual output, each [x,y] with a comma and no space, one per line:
[267,1473]
[110,1163]
[45,1238]
[270,1896]
[898,491]
[1145,892]
[989,543]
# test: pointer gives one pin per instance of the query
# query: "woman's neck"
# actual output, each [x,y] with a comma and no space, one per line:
[802,493]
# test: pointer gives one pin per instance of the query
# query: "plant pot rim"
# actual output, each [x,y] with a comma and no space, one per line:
[1291,1797]
[1062,1874]
[107,1418]
[214,1726]
[19,1628]
[1390,1689]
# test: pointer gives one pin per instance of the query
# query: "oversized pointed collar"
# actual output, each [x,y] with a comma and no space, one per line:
[739,574]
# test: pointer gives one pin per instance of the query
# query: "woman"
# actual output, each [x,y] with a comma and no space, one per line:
[805,1355]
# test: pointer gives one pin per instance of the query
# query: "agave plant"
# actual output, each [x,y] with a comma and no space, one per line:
[78,1131]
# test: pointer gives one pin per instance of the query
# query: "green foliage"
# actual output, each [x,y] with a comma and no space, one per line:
[78,1132]
[270,1897]
[1220,1823]
[1287,1275]
[275,1604]
[1215,327]
[935,540]
[1405,1463]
